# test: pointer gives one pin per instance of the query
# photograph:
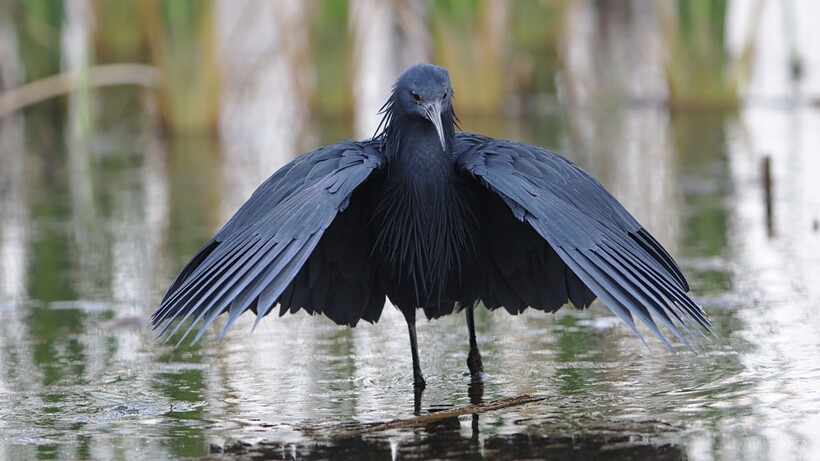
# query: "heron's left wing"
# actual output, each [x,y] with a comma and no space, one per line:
[252,260]
[590,231]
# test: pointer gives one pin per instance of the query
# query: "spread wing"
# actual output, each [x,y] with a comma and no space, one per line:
[591,232]
[258,254]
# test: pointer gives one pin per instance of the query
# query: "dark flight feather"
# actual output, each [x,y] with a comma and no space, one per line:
[597,239]
[262,248]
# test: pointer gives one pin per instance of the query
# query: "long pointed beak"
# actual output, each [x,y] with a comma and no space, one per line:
[433,112]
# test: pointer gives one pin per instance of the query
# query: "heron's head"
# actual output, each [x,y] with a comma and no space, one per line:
[424,91]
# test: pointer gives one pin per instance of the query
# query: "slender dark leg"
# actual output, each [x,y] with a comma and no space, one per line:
[473,357]
[418,379]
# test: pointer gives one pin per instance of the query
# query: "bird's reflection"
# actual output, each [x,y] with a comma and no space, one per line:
[444,435]
[417,393]
[475,390]
[438,433]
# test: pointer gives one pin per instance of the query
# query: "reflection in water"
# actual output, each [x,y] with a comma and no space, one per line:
[79,382]
[780,282]
[476,392]
[14,264]
[134,251]
[443,440]
[98,392]
[14,211]
[613,88]
[94,224]
[446,433]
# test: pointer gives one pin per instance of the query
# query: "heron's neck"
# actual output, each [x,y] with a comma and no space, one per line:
[412,147]
[422,214]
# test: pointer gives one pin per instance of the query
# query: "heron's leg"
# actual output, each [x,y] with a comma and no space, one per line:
[473,357]
[410,317]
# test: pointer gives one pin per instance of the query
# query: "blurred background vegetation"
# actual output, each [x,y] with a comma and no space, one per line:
[502,55]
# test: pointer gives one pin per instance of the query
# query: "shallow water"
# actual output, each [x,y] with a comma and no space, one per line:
[91,235]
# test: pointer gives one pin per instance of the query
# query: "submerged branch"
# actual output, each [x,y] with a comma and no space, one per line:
[56,85]
[428,418]
[355,430]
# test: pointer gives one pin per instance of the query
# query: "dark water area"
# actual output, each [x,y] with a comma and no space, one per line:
[93,228]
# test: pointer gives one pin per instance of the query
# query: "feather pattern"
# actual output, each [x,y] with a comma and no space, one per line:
[597,239]
[432,219]
[257,255]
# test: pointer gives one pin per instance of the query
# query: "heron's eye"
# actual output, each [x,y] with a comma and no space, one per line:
[444,96]
[415,96]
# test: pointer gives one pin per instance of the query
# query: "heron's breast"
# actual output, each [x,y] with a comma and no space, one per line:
[424,236]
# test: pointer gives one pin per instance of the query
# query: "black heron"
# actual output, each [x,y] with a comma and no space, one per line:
[434,220]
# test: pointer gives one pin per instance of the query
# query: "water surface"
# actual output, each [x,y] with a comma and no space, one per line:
[94,228]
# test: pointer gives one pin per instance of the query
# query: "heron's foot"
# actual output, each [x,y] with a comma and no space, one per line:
[474,363]
[418,381]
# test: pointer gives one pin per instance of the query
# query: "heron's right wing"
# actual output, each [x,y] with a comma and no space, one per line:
[252,260]
[608,250]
